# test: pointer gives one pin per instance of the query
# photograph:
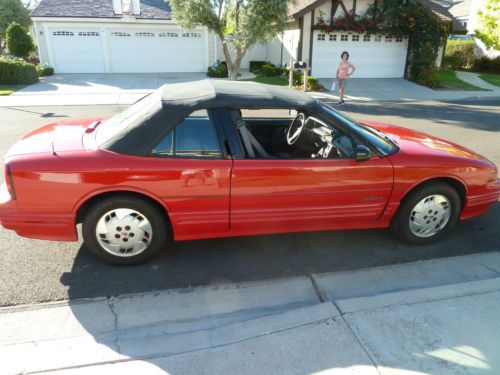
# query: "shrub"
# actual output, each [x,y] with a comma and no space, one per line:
[429,77]
[17,72]
[255,66]
[19,43]
[220,71]
[452,62]
[463,51]
[312,82]
[486,65]
[44,70]
[268,70]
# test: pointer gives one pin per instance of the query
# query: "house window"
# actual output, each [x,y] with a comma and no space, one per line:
[332,37]
[388,38]
[120,34]
[321,36]
[88,33]
[144,34]
[355,38]
[168,35]
[378,38]
[399,39]
[191,35]
[367,38]
[62,33]
[344,37]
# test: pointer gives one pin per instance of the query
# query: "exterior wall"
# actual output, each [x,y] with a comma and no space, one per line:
[257,52]
[212,45]
[41,43]
[323,11]
[362,6]
[306,36]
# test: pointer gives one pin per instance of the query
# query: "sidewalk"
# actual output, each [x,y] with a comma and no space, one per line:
[397,89]
[125,89]
[438,316]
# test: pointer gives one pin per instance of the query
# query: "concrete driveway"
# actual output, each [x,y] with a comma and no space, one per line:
[395,89]
[83,84]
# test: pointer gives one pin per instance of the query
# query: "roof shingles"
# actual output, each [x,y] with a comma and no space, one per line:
[150,9]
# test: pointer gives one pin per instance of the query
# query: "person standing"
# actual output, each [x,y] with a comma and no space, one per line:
[343,74]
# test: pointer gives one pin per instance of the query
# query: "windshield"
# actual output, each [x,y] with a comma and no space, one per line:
[139,111]
[377,139]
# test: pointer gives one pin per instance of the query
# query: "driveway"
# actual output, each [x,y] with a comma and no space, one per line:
[84,84]
[393,89]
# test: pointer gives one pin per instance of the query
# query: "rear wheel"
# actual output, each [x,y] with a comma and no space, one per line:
[427,214]
[124,230]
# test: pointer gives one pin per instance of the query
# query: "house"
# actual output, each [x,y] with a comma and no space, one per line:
[139,36]
[117,36]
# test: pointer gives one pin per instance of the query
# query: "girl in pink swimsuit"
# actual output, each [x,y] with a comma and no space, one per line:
[343,73]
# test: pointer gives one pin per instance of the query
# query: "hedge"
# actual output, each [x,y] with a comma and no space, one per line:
[44,71]
[17,72]
[460,54]
[220,71]
[486,65]
[255,66]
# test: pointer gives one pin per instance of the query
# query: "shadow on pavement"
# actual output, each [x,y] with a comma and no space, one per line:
[205,262]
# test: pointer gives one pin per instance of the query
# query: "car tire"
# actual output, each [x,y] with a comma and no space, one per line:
[427,214]
[124,230]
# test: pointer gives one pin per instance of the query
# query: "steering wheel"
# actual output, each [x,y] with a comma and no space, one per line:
[295,129]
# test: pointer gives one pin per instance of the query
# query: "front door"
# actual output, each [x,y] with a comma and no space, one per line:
[292,195]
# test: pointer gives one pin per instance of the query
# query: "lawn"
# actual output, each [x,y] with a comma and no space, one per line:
[450,81]
[493,79]
[277,81]
[9,89]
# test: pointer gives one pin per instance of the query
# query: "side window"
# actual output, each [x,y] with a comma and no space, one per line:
[194,137]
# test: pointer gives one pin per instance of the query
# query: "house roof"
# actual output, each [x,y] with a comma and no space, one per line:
[303,6]
[150,9]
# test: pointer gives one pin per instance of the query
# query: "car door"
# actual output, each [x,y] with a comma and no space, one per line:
[194,176]
[284,195]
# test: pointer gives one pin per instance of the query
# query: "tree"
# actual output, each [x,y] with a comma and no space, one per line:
[12,11]
[489,32]
[239,24]
[19,42]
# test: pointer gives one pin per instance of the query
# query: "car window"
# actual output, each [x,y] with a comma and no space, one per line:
[145,107]
[194,137]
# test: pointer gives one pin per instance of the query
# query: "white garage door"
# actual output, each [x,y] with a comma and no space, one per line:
[374,56]
[151,51]
[77,50]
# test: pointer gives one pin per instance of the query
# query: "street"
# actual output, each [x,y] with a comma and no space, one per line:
[34,271]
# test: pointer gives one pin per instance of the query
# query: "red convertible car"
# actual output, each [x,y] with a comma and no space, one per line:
[218,158]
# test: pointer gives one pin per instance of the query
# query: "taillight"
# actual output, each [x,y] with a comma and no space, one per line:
[9,181]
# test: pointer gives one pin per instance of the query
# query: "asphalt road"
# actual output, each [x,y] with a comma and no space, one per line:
[33,271]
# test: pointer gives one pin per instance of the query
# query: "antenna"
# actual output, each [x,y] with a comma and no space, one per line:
[53,149]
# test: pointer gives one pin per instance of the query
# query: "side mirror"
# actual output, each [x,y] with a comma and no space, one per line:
[362,153]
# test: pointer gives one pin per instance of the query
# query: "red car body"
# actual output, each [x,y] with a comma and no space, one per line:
[220,198]
[52,179]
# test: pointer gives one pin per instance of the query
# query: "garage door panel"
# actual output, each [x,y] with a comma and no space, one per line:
[377,57]
[77,50]
[153,51]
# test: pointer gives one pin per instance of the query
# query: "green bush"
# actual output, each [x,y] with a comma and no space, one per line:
[268,70]
[19,43]
[486,65]
[452,62]
[255,66]
[16,72]
[463,51]
[220,72]
[429,77]
[44,70]
[312,82]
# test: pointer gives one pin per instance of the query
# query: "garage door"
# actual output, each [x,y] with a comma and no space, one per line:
[157,51]
[375,56]
[77,50]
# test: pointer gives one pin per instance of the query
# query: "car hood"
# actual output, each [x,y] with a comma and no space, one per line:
[56,137]
[417,143]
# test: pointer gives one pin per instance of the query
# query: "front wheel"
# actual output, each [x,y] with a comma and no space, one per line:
[427,214]
[124,230]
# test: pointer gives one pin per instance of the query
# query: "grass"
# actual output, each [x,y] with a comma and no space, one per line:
[277,81]
[9,89]
[493,79]
[450,81]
